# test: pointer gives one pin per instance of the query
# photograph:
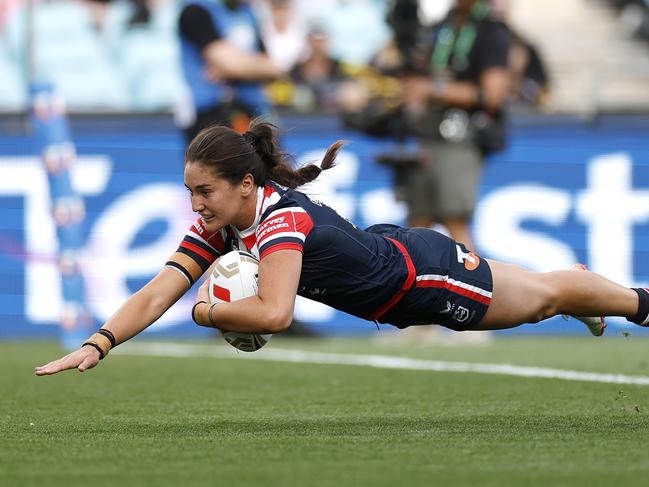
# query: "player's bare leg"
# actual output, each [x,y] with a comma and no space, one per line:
[521,296]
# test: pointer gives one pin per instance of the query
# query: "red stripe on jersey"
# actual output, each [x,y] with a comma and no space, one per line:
[412,275]
[431,283]
[287,221]
[281,246]
[456,289]
[250,241]
[304,223]
[199,227]
[215,240]
[221,293]
[196,249]
[268,190]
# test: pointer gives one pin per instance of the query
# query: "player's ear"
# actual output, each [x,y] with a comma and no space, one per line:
[247,185]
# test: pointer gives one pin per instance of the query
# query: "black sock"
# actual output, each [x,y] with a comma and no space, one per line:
[642,316]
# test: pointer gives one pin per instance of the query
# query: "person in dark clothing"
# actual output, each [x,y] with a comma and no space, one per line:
[224,63]
[458,113]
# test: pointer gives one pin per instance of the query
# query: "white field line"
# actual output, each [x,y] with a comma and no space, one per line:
[379,361]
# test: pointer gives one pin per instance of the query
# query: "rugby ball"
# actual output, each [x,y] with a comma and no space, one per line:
[235,276]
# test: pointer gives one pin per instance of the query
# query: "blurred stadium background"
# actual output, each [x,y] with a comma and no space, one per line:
[572,185]
[92,203]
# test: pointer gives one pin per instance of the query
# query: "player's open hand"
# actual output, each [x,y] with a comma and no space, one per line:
[82,359]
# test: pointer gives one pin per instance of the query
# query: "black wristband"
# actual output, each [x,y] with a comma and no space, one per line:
[109,335]
[194,309]
[94,345]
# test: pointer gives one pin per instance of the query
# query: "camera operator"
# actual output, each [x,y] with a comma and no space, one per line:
[457,112]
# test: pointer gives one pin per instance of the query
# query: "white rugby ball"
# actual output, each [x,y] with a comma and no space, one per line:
[235,276]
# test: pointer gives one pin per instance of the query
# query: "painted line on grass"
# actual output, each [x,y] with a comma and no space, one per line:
[378,361]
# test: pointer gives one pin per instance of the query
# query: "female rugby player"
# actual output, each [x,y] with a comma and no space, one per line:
[244,192]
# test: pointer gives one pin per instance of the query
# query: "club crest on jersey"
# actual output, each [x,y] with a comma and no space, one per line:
[231,243]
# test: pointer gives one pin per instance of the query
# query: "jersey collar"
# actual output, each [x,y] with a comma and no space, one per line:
[252,228]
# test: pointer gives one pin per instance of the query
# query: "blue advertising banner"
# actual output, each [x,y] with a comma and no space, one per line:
[565,191]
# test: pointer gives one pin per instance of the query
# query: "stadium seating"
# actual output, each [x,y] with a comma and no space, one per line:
[357,30]
[633,17]
[12,85]
[67,51]
[594,61]
[593,66]
[149,57]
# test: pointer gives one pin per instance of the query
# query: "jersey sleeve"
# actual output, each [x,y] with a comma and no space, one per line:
[196,252]
[284,228]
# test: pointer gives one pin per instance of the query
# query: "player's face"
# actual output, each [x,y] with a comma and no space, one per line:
[218,201]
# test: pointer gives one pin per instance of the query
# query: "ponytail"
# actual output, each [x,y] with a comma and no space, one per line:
[262,136]
[232,155]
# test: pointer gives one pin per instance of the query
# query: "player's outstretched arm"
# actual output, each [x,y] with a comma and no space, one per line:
[138,312]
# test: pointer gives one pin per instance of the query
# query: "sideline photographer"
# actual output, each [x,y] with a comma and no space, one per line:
[457,112]
[446,86]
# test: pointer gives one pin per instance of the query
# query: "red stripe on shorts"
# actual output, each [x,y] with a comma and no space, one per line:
[456,289]
[406,285]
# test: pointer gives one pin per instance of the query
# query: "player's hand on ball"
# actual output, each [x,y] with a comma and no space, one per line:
[82,359]
[204,292]
[200,313]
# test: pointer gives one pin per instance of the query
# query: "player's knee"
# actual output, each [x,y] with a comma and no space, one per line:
[547,304]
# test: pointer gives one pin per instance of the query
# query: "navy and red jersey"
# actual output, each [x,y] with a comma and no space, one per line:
[372,273]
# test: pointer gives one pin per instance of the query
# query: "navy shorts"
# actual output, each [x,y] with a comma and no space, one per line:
[453,286]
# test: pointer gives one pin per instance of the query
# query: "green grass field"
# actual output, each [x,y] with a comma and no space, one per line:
[165,421]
